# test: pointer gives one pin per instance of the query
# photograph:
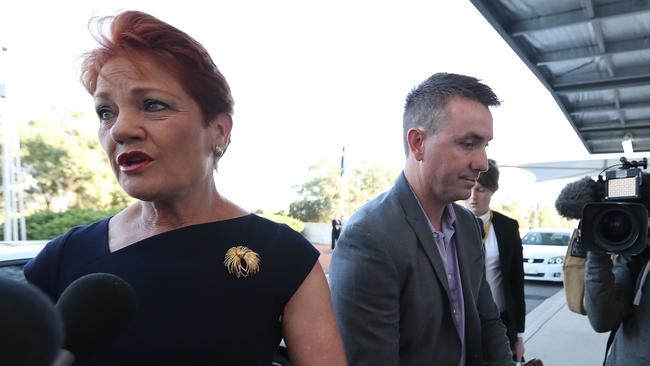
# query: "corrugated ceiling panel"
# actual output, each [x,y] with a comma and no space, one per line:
[593,55]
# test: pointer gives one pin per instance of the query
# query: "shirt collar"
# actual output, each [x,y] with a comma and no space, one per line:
[448,214]
[485,217]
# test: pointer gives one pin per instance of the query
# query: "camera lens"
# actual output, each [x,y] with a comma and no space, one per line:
[616,226]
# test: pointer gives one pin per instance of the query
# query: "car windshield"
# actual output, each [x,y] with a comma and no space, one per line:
[546,238]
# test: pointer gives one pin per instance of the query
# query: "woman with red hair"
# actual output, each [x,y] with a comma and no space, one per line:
[215,284]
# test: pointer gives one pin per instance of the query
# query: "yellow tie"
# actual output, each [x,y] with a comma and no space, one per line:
[487,228]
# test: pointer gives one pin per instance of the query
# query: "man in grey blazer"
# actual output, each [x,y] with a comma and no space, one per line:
[407,276]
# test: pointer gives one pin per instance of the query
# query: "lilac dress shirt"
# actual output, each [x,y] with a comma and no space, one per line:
[446,244]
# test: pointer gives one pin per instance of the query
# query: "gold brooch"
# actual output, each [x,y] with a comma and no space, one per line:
[241,261]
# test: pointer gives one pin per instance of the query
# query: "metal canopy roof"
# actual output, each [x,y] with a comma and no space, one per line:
[594,58]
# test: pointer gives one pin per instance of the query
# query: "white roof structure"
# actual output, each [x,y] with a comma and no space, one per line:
[565,169]
[594,58]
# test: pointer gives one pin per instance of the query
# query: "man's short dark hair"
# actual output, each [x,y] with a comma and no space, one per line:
[426,103]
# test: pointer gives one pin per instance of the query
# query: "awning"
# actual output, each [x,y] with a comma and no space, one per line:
[566,169]
[594,58]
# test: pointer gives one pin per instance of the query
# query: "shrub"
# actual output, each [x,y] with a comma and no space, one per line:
[47,225]
[292,222]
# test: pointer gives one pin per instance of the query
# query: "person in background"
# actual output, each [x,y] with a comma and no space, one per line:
[337,222]
[408,274]
[503,257]
[215,284]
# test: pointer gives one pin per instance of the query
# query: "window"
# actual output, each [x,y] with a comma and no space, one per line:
[12,272]
[546,238]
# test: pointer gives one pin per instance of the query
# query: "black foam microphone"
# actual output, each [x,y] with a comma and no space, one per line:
[31,330]
[95,308]
[574,196]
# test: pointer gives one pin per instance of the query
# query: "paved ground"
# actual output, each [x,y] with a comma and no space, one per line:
[536,292]
[325,255]
[560,338]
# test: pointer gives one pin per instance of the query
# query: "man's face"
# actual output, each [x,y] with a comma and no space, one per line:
[454,155]
[479,201]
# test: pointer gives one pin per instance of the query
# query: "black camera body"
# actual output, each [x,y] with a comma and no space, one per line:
[617,221]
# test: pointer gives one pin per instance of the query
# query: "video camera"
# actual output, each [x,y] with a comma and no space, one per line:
[614,209]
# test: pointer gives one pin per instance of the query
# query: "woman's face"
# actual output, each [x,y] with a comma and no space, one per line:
[153,132]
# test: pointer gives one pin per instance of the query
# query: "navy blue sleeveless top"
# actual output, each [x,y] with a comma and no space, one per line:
[191,309]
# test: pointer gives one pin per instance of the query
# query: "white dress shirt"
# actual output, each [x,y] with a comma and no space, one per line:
[492,263]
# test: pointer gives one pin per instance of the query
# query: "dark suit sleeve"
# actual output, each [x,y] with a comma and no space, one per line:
[517,279]
[365,291]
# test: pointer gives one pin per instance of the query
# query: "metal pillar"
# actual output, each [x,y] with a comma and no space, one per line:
[12,188]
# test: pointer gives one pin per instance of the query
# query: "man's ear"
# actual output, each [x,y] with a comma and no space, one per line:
[415,138]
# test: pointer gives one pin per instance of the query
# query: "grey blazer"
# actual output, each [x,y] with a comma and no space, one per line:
[390,292]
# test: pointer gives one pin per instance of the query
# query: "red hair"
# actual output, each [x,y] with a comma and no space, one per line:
[138,36]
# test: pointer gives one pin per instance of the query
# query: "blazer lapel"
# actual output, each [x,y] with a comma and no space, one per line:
[465,243]
[463,250]
[418,223]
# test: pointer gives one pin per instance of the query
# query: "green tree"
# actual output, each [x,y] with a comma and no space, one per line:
[320,195]
[542,215]
[366,183]
[513,210]
[327,194]
[282,218]
[548,217]
[67,167]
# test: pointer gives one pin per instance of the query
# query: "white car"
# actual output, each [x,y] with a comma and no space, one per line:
[14,255]
[544,251]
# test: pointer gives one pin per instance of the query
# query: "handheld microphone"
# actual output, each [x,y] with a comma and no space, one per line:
[31,331]
[95,308]
[575,196]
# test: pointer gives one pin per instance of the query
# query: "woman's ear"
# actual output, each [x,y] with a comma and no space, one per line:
[415,138]
[220,128]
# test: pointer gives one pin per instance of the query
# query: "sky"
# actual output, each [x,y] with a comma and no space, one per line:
[307,77]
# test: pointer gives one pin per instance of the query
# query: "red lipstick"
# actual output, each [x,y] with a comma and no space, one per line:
[133,161]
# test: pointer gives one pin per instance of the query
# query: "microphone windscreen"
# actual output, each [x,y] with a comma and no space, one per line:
[574,196]
[95,308]
[31,331]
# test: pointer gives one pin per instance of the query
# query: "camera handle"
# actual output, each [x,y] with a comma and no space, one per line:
[627,164]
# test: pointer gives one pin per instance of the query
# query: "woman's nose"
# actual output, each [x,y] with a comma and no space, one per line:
[127,126]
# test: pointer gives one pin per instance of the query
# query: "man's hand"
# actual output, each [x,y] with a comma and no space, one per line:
[518,348]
